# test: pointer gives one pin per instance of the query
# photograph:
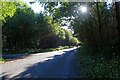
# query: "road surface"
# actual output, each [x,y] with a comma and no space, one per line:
[57,64]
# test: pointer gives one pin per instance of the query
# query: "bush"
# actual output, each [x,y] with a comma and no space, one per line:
[97,66]
[2,59]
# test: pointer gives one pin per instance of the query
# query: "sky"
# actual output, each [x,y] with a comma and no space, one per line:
[36,7]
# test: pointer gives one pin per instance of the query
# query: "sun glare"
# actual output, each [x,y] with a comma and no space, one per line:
[83,9]
[37,8]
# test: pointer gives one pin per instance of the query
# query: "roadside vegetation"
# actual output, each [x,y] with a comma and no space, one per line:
[2,60]
[99,55]
[31,51]
[97,66]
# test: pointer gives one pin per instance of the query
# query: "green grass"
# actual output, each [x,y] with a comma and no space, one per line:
[29,51]
[2,60]
[97,66]
[52,49]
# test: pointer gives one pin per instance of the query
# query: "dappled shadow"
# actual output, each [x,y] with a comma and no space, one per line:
[10,57]
[5,77]
[58,66]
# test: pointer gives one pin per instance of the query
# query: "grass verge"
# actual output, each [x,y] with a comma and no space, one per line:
[2,60]
[96,66]
[29,51]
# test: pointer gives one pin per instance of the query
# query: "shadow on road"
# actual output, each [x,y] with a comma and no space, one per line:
[10,57]
[58,66]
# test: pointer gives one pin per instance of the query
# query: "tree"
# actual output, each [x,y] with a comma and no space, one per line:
[117,9]
[8,9]
[18,29]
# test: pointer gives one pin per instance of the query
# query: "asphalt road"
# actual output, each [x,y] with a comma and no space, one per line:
[57,64]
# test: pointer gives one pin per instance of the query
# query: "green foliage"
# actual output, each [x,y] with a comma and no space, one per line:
[17,31]
[7,9]
[97,66]
[74,41]
[2,60]
[27,30]
[96,29]
[33,50]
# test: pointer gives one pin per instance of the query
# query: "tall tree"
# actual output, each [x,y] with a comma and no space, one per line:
[117,9]
[18,29]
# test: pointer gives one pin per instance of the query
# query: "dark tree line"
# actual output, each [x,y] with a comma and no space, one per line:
[100,31]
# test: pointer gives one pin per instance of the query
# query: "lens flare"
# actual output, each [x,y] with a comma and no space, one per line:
[83,9]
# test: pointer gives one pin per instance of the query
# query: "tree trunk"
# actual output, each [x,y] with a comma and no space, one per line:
[117,7]
[99,27]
